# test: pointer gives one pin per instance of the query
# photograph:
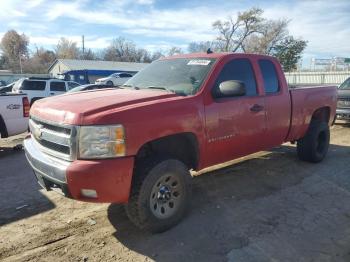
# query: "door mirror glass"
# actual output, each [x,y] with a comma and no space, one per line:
[230,88]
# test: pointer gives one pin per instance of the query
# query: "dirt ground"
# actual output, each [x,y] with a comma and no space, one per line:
[266,207]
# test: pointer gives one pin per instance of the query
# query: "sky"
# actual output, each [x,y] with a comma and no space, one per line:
[159,24]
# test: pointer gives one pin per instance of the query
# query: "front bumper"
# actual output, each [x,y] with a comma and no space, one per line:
[110,178]
[343,113]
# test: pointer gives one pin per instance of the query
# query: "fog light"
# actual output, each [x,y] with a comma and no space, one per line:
[89,193]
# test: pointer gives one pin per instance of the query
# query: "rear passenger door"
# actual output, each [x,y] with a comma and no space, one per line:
[277,103]
[57,88]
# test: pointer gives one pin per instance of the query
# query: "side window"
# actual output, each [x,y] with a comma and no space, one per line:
[58,86]
[72,85]
[33,85]
[241,70]
[269,74]
[125,75]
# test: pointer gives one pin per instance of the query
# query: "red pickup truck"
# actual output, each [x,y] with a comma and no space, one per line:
[136,144]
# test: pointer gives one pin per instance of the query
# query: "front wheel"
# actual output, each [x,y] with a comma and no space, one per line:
[160,194]
[313,147]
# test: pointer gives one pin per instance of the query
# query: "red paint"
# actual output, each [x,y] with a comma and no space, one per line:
[110,178]
[225,128]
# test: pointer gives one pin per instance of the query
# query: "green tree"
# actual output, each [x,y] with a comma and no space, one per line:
[289,52]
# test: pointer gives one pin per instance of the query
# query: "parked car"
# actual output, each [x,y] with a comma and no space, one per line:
[114,79]
[88,87]
[37,88]
[14,114]
[8,88]
[343,105]
[136,144]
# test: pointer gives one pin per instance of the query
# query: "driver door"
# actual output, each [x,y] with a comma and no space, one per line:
[235,126]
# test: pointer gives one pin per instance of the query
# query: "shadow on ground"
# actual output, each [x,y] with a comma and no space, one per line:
[221,216]
[19,191]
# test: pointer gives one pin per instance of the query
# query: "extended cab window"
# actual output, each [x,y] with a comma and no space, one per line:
[240,70]
[269,74]
[58,86]
[33,85]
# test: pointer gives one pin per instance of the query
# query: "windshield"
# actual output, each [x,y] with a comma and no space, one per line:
[345,85]
[183,76]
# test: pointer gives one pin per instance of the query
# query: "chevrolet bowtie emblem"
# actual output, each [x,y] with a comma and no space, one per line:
[38,132]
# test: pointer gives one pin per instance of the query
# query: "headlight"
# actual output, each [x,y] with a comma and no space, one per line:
[101,141]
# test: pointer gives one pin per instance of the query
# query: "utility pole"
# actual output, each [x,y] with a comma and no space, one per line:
[83,44]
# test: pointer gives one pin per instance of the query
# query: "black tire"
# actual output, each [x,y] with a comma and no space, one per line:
[313,147]
[145,204]
[109,83]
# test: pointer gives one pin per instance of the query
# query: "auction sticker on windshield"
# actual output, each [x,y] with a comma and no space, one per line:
[199,62]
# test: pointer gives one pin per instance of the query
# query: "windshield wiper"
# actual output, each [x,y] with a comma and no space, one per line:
[161,88]
[135,87]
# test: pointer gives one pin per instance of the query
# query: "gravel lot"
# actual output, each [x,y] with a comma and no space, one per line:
[266,207]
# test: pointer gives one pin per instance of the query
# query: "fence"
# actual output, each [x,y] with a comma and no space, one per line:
[317,78]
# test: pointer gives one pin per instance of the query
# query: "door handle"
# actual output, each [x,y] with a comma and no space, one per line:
[51,94]
[256,108]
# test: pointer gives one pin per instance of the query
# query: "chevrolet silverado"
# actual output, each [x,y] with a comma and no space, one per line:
[137,144]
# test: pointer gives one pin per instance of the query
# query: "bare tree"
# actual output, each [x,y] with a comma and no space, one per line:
[15,49]
[234,31]
[88,55]
[174,51]
[121,49]
[39,61]
[203,46]
[271,33]
[67,49]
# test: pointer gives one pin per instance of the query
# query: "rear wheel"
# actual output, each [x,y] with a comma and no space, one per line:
[313,147]
[160,194]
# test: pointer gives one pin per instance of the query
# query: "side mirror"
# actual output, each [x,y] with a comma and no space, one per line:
[230,88]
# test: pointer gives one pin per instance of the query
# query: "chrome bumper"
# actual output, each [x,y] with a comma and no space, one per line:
[343,113]
[50,172]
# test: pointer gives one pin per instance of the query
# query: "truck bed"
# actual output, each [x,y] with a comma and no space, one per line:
[305,100]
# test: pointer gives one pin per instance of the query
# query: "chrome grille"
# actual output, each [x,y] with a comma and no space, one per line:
[343,102]
[56,140]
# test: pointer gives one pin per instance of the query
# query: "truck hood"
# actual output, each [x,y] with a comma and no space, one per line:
[72,108]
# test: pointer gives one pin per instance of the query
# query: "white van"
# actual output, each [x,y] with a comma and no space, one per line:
[37,88]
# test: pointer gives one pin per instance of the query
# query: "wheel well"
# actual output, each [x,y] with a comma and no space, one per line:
[183,147]
[3,129]
[321,114]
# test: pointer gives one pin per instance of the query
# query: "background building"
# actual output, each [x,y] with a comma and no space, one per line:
[87,71]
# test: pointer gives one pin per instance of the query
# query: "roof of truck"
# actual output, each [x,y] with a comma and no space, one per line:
[217,55]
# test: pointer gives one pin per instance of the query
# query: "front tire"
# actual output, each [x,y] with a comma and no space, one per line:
[313,147]
[110,83]
[160,194]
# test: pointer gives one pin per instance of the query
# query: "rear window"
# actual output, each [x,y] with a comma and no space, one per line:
[33,85]
[57,86]
[269,74]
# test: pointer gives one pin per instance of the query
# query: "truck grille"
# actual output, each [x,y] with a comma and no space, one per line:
[53,139]
[343,102]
